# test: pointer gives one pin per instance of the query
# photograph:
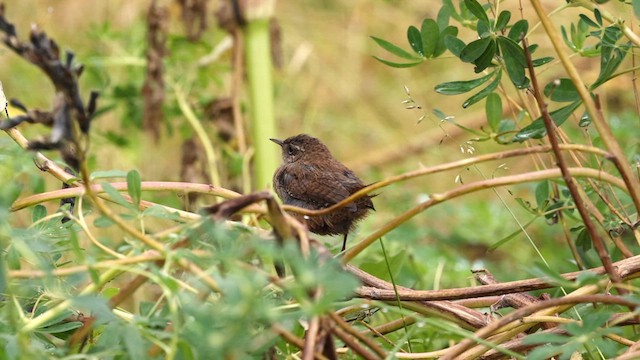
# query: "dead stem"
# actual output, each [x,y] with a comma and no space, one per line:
[550,126]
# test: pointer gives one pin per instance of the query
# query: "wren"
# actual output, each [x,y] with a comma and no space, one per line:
[312,178]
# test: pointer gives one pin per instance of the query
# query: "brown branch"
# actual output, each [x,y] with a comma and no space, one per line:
[457,350]
[366,340]
[292,339]
[44,53]
[444,167]
[391,326]
[467,318]
[627,268]
[618,157]
[568,179]
[310,338]
[467,189]
[180,187]
[354,345]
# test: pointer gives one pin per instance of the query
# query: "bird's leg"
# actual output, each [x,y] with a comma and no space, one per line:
[344,242]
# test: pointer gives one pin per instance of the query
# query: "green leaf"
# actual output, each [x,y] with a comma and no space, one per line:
[115,195]
[542,194]
[588,21]
[583,245]
[454,45]
[493,109]
[475,49]
[486,59]
[397,65]
[39,212]
[461,87]
[518,30]
[514,60]
[506,239]
[415,39]
[541,61]
[598,16]
[160,212]
[134,186]
[545,338]
[543,271]
[62,327]
[537,130]
[551,210]
[441,46]
[636,7]
[562,90]
[102,222]
[503,20]
[395,50]
[108,174]
[448,4]
[477,10]
[484,92]
[430,34]
[591,322]
[443,16]
[484,29]
[609,67]
[506,125]
[581,33]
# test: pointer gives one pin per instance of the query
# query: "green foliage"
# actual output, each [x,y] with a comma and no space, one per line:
[588,334]
[209,287]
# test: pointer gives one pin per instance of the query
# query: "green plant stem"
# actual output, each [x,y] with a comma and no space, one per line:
[195,123]
[620,23]
[180,187]
[144,238]
[473,187]
[395,289]
[42,162]
[50,314]
[618,157]
[260,82]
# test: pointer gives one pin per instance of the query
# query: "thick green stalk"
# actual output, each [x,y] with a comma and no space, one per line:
[260,82]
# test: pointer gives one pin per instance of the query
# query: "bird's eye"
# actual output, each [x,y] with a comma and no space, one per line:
[292,150]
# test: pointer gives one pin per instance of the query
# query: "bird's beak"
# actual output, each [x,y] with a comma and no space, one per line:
[279,142]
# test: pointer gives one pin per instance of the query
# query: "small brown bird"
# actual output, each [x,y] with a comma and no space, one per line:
[312,178]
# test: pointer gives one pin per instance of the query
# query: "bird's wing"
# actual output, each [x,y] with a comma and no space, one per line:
[316,188]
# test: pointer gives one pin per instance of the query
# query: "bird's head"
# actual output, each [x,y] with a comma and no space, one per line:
[300,147]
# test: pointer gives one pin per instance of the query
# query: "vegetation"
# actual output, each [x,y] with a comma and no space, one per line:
[139,226]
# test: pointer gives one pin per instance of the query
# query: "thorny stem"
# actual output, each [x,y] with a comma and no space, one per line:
[570,182]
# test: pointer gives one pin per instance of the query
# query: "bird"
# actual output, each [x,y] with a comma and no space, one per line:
[311,178]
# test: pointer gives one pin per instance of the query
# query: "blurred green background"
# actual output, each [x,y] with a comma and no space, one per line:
[329,86]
